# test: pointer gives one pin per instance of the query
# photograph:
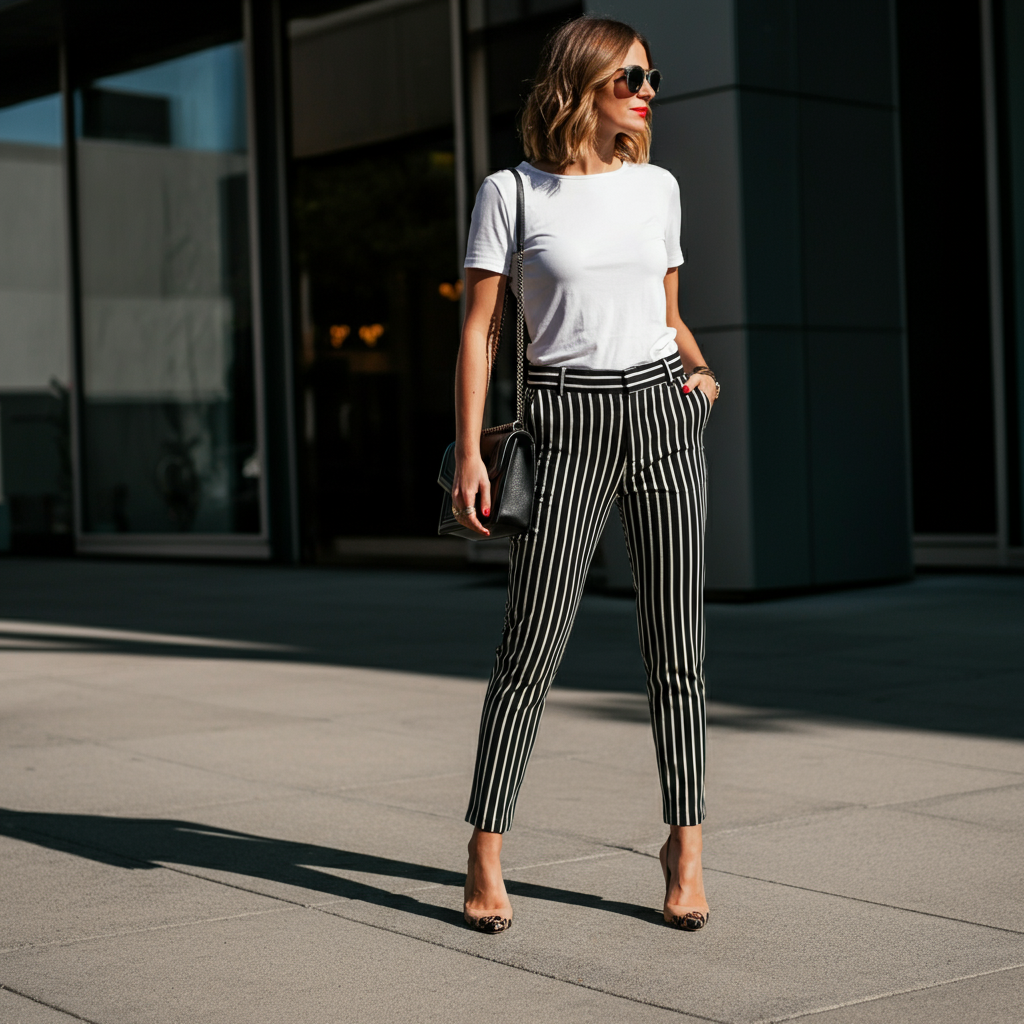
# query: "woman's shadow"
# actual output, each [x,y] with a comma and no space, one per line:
[142,843]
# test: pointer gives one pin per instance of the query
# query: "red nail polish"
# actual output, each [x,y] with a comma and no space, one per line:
[686,389]
[487,511]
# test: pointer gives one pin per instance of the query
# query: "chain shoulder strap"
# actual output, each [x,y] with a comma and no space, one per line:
[520,304]
[492,354]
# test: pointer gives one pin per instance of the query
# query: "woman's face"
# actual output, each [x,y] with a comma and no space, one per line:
[619,109]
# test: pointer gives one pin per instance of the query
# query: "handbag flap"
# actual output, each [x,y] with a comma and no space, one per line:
[446,474]
[496,445]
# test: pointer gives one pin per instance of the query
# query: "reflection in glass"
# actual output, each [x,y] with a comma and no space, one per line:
[35,469]
[169,417]
[379,288]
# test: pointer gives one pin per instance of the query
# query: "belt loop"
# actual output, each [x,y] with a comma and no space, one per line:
[561,382]
[668,370]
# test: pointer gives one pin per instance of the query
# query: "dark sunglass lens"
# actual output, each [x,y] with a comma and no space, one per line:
[655,80]
[635,78]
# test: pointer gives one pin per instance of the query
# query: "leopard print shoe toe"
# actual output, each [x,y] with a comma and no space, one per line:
[489,925]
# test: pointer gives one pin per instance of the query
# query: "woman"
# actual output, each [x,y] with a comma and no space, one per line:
[617,400]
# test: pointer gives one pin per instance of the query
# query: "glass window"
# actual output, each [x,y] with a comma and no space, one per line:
[169,421]
[379,287]
[1012,15]
[35,468]
[377,274]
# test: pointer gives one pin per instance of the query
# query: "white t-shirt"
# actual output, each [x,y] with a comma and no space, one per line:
[598,247]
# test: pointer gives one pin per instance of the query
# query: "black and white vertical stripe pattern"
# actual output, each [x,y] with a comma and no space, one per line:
[635,439]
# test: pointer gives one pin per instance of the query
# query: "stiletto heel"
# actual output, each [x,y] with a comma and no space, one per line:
[692,920]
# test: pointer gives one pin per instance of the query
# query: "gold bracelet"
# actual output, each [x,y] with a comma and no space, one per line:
[706,370]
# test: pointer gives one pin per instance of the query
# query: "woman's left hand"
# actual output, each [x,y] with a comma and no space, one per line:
[702,381]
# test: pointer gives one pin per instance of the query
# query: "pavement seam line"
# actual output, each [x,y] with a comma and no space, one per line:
[322,909]
[642,850]
[567,860]
[963,821]
[261,782]
[926,760]
[891,995]
[872,903]
[93,687]
[810,816]
[150,928]
[844,808]
[949,796]
[49,1006]
[528,867]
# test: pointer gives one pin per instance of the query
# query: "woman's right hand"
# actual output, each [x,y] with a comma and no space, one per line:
[471,479]
[485,293]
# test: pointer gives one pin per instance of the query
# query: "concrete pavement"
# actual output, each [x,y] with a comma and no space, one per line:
[235,793]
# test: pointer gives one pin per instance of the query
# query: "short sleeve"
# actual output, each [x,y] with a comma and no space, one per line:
[673,227]
[490,245]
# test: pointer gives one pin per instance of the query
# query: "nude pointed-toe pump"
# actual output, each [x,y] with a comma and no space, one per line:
[489,924]
[688,921]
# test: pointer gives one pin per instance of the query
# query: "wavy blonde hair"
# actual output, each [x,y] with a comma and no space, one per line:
[559,121]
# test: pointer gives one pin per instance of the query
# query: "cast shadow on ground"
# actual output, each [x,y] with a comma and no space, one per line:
[941,653]
[146,843]
[634,709]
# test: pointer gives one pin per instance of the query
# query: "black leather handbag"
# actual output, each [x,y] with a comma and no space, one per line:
[507,451]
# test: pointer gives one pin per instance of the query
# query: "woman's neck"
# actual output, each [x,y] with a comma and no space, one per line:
[599,160]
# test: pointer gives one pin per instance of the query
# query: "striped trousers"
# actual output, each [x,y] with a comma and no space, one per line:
[634,439]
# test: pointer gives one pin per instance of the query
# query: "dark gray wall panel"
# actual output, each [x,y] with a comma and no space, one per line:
[766,51]
[840,49]
[770,133]
[851,246]
[697,139]
[859,471]
[730,538]
[845,49]
[777,390]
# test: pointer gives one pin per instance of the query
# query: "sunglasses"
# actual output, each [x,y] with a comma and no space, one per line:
[636,76]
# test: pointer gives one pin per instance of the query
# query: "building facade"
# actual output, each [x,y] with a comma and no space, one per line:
[230,285]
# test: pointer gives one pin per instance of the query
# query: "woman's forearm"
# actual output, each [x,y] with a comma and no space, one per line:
[689,351]
[485,292]
[471,487]
[470,392]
